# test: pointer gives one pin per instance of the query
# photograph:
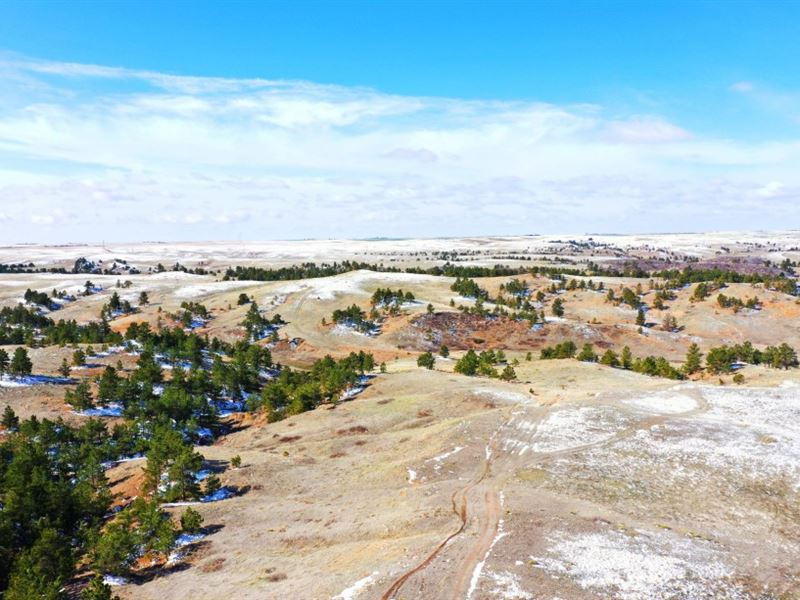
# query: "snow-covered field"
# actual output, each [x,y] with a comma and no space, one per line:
[355,282]
[668,402]
[211,287]
[284,252]
[640,565]
[575,427]
[745,436]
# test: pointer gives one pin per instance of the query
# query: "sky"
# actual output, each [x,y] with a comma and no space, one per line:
[140,121]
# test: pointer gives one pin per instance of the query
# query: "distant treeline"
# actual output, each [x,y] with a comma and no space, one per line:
[310,270]
[674,277]
[28,268]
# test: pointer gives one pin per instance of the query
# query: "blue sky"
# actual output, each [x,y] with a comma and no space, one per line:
[267,120]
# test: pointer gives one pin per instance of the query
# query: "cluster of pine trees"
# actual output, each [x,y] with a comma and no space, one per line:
[469,288]
[56,503]
[721,359]
[353,316]
[737,303]
[485,363]
[22,325]
[258,326]
[18,365]
[390,299]
[294,391]
[56,512]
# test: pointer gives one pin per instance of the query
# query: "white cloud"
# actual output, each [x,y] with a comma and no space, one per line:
[215,157]
[646,130]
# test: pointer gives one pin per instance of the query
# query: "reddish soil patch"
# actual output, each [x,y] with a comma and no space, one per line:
[460,331]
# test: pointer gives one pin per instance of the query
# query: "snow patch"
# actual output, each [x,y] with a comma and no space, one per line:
[639,567]
[112,409]
[664,402]
[507,586]
[10,381]
[221,494]
[354,590]
[574,427]
[203,289]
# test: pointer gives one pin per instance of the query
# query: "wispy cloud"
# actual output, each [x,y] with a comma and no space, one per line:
[785,104]
[91,151]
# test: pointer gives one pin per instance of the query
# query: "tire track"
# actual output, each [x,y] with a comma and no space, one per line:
[460,507]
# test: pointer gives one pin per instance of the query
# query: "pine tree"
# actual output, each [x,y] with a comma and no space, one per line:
[63,370]
[212,485]
[558,307]
[508,373]
[4,361]
[426,360]
[114,303]
[609,358]
[467,364]
[669,323]
[640,320]
[98,590]
[78,358]
[20,363]
[693,360]
[10,419]
[191,521]
[81,397]
[626,358]
[587,354]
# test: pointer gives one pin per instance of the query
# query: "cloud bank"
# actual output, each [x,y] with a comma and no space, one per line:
[91,152]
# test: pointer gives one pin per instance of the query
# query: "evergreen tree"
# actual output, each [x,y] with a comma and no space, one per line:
[10,420]
[109,385]
[626,358]
[191,521]
[467,364]
[640,319]
[700,292]
[558,307]
[212,485]
[426,360]
[41,570]
[587,354]
[4,361]
[98,590]
[63,369]
[669,323]
[693,360]
[144,299]
[81,397]
[78,358]
[609,358]
[720,360]
[508,373]
[114,303]
[20,363]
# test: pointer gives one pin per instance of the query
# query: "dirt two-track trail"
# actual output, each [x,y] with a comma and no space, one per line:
[479,505]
